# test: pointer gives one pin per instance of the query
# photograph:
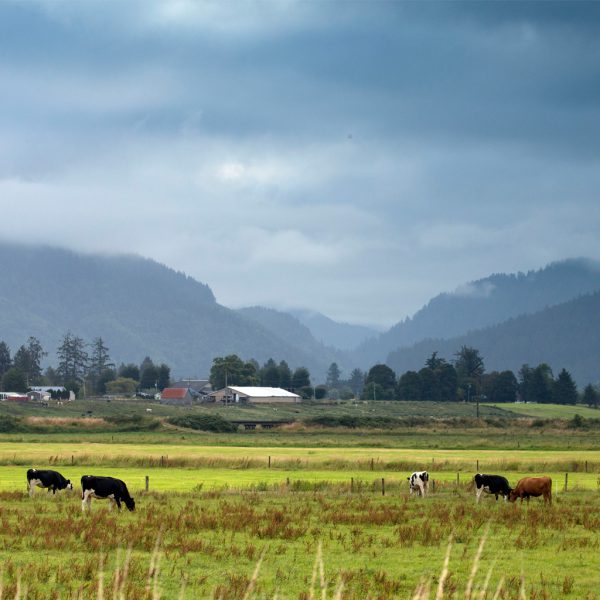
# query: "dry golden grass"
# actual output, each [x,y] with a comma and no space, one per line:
[90,422]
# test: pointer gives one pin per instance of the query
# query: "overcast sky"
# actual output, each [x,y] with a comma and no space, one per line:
[355,158]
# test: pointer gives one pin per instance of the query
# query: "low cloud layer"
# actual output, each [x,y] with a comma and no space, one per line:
[355,158]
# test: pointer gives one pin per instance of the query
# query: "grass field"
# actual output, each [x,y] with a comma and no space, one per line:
[211,543]
[219,522]
[549,411]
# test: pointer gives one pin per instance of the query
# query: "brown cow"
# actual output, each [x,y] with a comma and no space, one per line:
[532,486]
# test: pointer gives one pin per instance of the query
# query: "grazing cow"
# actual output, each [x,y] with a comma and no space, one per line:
[491,484]
[52,480]
[419,482]
[532,486]
[104,487]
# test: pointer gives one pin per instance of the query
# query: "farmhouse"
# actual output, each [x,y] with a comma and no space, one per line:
[177,395]
[254,395]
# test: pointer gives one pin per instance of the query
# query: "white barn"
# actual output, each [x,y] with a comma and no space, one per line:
[254,395]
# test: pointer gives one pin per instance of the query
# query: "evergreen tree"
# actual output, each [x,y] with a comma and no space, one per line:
[470,368]
[148,375]
[356,382]
[164,376]
[590,396]
[72,360]
[100,366]
[333,376]
[285,375]
[269,374]
[564,390]
[5,360]
[300,378]
[28,359]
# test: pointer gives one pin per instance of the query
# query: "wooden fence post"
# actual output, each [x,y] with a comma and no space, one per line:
[351,485]
[457,480]
[72,459]
[269,462]
[566,481]
[477,469]
[147,482]
[433,485]
[371,464]
[382,486]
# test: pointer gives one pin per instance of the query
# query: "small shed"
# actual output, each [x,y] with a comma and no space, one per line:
[176,396]
[255,395]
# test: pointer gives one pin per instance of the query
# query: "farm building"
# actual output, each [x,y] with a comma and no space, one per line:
[254,395]
[201,387]
[177,395]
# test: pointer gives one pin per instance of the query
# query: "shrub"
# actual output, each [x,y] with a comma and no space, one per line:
[204,423]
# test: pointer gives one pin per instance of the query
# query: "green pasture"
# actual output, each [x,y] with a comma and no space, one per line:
[185,480]
[287,544]
[549,411]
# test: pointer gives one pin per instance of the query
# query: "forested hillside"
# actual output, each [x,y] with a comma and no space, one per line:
[486,302]
[139,307]
[564,336]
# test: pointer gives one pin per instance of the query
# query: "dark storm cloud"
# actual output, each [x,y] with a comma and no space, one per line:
[409,146]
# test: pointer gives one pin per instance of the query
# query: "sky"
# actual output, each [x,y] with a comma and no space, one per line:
[354,158]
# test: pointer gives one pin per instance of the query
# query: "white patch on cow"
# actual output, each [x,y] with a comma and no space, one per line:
[86,502]
[32,484]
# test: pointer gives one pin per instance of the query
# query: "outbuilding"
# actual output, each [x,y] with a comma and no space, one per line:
[254,395]
[176,396]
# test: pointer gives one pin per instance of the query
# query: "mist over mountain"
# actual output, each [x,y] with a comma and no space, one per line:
[139,307]
[288,328]
[486,302]
[564,336]
[344,336]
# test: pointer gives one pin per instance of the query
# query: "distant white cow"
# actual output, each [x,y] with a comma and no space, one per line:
[419,482]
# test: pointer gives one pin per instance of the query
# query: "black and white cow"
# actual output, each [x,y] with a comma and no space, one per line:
[52,480]
[419,482]
[491,484]
[104,487]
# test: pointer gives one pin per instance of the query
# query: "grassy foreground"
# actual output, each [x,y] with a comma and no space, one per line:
[289,544]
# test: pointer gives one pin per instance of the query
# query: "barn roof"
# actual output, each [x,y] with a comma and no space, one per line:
[174,393]
[263,392]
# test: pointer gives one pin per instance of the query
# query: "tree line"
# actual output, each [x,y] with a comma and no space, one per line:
[465,379]
[85,368]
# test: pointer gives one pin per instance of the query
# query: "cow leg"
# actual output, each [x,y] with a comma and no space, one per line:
[118,502]
[31,487]
[86,501]
[478,494]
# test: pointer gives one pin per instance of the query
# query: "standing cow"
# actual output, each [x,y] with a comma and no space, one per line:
[105,487]
[491,484]
[532,486]
[419,482]
[51,480]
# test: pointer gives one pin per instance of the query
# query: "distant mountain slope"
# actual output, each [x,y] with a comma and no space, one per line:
[344,336]
[289,329]
[139,307]
[486,302]
[566,335]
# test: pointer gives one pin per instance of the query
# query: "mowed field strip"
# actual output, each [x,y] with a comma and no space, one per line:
[101,453]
